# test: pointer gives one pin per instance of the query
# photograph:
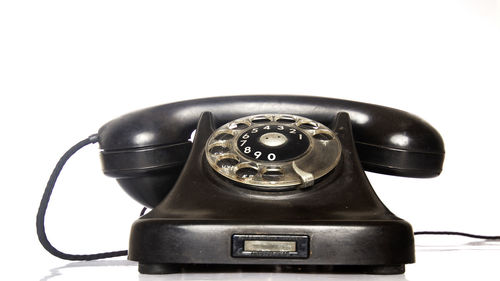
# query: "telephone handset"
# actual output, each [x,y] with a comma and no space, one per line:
[146,150]
[267,180]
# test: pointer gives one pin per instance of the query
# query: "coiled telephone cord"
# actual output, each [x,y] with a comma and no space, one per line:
[40,218]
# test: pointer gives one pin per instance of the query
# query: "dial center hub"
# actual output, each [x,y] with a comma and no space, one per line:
[273,139]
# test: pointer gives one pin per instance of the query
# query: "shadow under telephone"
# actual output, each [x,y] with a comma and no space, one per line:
[267,180]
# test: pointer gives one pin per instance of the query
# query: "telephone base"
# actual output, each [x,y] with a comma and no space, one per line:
[338,223]
[163,246]
[166,268]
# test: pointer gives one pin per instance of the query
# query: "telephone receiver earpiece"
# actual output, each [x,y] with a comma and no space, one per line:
[145,150]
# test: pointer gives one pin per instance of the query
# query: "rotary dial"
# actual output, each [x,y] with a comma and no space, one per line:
[273,152]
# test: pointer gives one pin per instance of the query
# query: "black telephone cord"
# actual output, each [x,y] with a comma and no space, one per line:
[485,237]
[40,218]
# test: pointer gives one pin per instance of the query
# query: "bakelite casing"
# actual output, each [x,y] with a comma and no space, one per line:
[200,217]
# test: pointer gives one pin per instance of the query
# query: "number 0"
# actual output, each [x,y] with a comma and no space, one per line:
[271,157]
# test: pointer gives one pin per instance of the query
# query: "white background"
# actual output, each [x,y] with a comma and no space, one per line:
[67,67]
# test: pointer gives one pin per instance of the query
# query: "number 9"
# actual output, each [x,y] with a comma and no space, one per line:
[257,154]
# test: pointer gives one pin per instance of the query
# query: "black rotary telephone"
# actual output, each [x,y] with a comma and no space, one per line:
[267,180]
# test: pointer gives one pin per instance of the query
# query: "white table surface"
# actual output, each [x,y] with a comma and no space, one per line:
[67,67]
[451,259]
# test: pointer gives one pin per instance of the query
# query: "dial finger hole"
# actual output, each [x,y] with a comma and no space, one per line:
[218,149]
[246,172]
[272,174]
[260,119]
[308,126]
[323,136]
[286,119]
[238,126]
[224,136]
[227,162]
